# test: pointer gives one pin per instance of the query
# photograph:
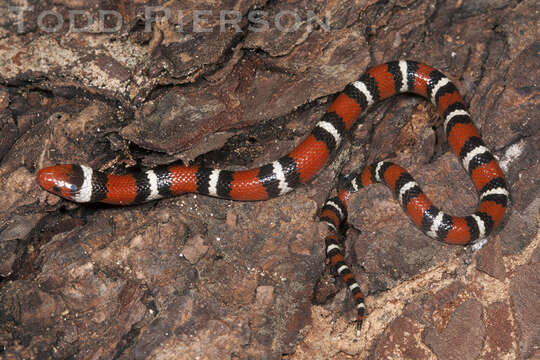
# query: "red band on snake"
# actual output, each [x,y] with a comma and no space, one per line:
[82,184]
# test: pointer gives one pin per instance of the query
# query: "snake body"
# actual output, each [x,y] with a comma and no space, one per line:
[80,183]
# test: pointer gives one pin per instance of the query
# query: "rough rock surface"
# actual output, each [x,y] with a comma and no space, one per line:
[201,278]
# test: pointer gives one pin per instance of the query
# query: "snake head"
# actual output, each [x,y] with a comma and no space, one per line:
[67,181]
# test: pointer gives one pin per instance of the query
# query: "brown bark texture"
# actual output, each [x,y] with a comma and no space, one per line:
[196,277]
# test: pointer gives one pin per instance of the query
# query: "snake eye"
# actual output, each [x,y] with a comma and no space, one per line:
[61,180]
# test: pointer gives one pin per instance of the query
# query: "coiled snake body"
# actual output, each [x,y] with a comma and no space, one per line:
[82,184]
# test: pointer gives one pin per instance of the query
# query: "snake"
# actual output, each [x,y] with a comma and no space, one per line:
[82,184]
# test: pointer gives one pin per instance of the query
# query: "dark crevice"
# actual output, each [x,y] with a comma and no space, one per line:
[41,84]
[127,340]
[28,261]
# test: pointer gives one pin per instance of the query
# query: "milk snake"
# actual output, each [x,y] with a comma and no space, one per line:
[80,183]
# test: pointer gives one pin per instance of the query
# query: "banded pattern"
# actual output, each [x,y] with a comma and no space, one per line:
[82,184]
[334,214]
[433,222]
[465,141]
